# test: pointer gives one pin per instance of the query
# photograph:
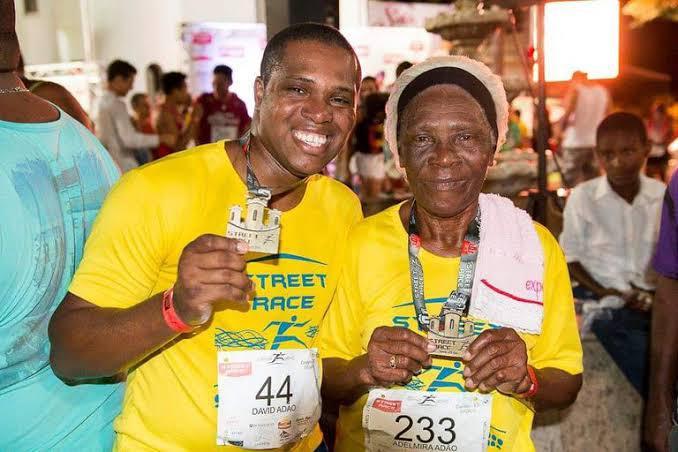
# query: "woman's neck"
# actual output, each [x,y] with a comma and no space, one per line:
[443,236]
[10,80]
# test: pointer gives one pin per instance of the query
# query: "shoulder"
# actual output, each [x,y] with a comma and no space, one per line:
[377,230]
[335,196]
[585,191]
[546,238]
[204,98]
[182,177]
[653,187]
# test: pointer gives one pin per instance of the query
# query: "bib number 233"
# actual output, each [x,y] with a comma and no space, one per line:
[267,398]
[400,420]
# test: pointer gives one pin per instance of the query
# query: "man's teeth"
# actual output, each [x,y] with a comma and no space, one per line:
[313,139]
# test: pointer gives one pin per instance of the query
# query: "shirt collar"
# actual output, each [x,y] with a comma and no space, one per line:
[604,189]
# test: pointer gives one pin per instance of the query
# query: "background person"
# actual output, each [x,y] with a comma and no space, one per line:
[54,175]
[223,116]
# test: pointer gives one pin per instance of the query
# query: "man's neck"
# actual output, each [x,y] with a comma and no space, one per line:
[444,236]
[287,188]
[223,98]
[627,192]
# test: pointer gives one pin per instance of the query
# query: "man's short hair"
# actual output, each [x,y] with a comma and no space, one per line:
[623,121]
[402,67]
[223,70]
[309,31]
[136,98]
[369,78]
[171,81]
[120,68]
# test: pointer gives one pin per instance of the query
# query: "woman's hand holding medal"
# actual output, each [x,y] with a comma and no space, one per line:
[211,269]
[497,359]
[394,356]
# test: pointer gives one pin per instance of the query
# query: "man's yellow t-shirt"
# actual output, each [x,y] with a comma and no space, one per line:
[147,220]
[375,290]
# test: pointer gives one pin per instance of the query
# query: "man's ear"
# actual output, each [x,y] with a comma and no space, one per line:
[647,148]
[258,92]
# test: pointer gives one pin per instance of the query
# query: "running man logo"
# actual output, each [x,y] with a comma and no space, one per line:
[282,336]
[278,358]
[443,377]
[428,400]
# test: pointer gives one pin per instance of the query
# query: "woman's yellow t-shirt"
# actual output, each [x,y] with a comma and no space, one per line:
[147,220]
[375,290]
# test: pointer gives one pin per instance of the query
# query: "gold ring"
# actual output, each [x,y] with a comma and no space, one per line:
[392,362]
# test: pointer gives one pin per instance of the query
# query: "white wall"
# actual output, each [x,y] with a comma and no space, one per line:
[139,31]
[37,33]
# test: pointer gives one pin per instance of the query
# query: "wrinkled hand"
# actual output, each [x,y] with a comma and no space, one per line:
[211,269]
[497,359]
[411,352]
[638,300]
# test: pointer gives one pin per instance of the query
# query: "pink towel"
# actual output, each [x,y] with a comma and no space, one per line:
[509,278]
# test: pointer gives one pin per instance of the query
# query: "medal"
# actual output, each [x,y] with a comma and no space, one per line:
[260,226]
[452,331]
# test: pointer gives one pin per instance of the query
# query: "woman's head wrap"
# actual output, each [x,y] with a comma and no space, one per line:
[470,75]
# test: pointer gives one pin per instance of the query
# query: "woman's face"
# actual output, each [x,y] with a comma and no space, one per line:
[446,146]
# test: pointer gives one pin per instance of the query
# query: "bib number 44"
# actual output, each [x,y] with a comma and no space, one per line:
[284,392]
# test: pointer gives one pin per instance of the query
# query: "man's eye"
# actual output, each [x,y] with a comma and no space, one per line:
[465,137]
[342,101]
[296,90]
[422,139]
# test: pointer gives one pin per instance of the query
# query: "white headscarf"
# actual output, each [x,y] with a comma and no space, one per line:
[477,69]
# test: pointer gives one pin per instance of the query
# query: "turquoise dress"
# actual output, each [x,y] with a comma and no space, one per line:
[53,179]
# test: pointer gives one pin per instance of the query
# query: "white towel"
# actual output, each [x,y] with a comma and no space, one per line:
[509,277]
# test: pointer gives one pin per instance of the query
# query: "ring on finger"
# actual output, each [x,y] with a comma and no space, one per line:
[392,362]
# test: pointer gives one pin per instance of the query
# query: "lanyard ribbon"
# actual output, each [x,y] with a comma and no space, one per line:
[459,300]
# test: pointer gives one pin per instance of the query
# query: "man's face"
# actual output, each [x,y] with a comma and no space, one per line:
[307,110]
[221,84]
[143,107]
[446,146]
[622,155]
[182,95]
[122,85]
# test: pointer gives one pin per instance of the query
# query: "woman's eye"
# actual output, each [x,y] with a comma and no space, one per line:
[296,90]
[465,137]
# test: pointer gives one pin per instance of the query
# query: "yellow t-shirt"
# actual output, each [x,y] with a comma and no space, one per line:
[375,290]
[149,217]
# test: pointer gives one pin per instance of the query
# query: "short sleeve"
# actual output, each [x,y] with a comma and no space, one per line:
[573,227]
[666,257]
[125,250]
[559,345]
[341,330]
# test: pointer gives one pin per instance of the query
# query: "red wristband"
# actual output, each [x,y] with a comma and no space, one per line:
[170,315]
[534,387]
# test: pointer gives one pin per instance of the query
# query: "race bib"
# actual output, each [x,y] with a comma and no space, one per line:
[223,132]
[399,420]
[267,398]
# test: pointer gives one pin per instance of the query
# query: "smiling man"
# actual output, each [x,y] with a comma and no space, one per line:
[218,340]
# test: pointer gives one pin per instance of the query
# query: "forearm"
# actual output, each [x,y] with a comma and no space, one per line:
[89,341]
[664,344]
[341,381]
[557,389]
[582,276]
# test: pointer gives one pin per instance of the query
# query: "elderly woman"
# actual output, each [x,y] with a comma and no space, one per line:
[505,342]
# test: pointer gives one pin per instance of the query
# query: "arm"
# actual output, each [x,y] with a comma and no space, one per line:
[90,341]
[569,102]
[663,364]
[583,277]
[165,125]
[60,96]
[130,137]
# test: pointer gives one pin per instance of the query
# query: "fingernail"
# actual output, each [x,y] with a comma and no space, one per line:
[431,347]
[467,356]
[466,372]
[468,383]
[252,285]
[242,247]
